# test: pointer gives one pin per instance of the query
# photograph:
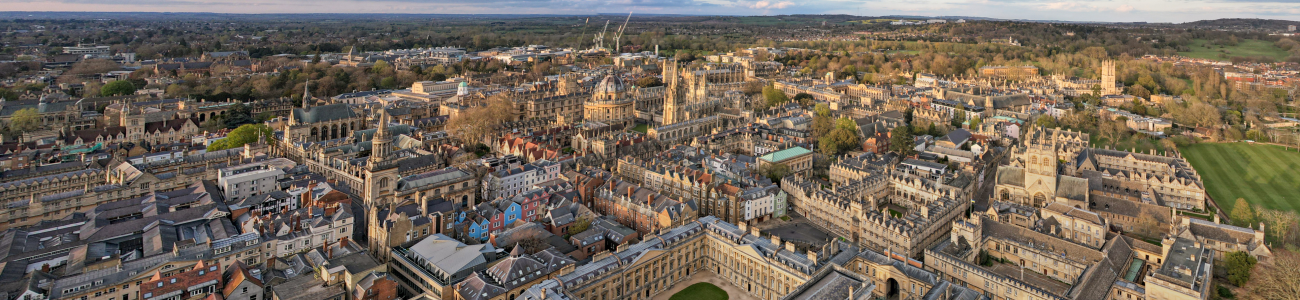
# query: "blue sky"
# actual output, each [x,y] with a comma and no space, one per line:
[1088,10]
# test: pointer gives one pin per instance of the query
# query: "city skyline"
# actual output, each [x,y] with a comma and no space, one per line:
[1175,11]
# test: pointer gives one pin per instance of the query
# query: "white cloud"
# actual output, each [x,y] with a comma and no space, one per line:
[768,4]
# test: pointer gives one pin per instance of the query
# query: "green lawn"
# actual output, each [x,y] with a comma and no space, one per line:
[1262,174]
[1245,48]
[700,291]
[642,128]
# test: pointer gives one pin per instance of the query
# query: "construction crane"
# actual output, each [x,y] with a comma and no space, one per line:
[584,32]
[600,38]
[617,45]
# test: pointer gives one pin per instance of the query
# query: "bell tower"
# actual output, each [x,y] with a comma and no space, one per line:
[1040,167]
[1108,78]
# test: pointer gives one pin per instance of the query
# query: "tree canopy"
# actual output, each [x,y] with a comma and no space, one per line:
[1239,265]
[901,141]
[475,123]
[1242,214]
[117,88]
[235,116]
[843,138]
[774,96]
[247,133]
[25,120]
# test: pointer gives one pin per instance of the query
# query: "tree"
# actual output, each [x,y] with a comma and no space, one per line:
[1277,279]
[381,67]
[248,133]
[25,120]
[1239,264]
[89,67]
[117,88]
[844,137]
[235,116]
[649,81]
[774,96]
[1278,223]
[901,141]
[474,124]
[958,118]
[1046,121]
[1242,214]
[774,171]
[1147,226]
[821,124]
[581,224]
[803,98]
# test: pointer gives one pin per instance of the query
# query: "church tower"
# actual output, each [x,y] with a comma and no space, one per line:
[1040,166]
[1108,78]
[380,181]
[672,98]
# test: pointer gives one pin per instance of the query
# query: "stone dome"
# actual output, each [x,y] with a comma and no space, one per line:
[612,84]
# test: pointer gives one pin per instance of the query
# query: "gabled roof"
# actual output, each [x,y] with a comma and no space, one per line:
[324,113]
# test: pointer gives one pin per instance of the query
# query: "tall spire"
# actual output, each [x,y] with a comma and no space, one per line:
[380,143]
[306,95]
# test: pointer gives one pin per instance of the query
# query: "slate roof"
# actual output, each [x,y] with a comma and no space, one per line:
[1012,176]
[324,113]
[1073,188]
[1221,232]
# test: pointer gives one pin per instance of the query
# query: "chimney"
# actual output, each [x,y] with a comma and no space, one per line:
[307,197]
[343,242]
[329,251]
[789,246]
[776,240]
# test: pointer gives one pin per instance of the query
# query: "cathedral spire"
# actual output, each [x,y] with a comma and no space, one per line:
[306,95]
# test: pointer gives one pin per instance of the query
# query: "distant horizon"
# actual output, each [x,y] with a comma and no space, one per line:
[946,17]
[1117,11]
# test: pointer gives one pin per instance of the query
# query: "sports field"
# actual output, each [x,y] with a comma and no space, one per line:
[1245,48]
[1265,175]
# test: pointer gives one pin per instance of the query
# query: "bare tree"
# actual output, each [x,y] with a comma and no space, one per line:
[1275,279]
[475,123]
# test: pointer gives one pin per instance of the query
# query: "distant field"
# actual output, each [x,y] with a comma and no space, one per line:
[1262,174]
[1246,48]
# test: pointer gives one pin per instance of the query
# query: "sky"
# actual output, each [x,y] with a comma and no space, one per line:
[1064,10]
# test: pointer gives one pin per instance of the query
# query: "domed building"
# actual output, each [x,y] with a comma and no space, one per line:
[610,103]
